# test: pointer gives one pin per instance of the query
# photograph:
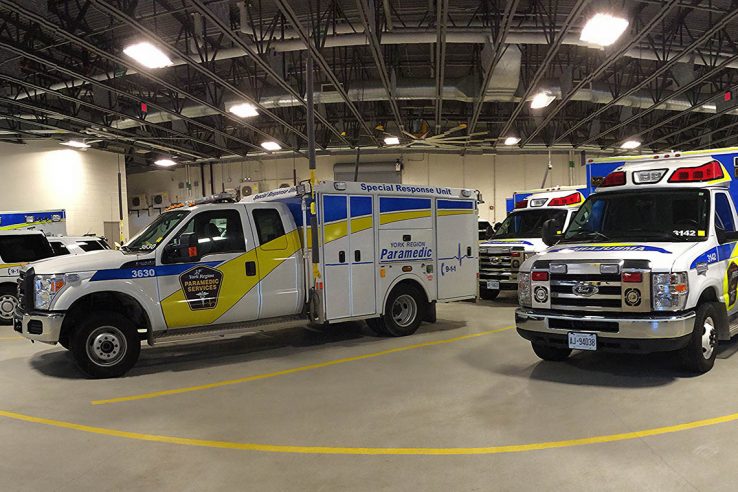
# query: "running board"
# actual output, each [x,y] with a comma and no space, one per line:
[733,327]
[228,329]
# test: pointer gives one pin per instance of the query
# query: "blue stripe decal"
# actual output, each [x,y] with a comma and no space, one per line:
[505,243]
[11,219]
[633,247]
[714,255]
[394,204]
[455,204]
[159,271]
[334,208]
[361,205]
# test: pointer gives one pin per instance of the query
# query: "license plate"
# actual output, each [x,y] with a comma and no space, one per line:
[583,341]
[493,284]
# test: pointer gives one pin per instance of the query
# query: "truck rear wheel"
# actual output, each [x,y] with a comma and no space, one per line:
[105,345]
[404,311]
[549,353]
[488,295]
[8,303]
[699,354]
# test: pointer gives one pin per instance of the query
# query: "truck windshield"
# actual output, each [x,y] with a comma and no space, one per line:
[528,223]
[151,236]
[23,248]
[642,215]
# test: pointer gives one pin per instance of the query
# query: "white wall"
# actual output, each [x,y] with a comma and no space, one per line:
[46,176]
[496,176]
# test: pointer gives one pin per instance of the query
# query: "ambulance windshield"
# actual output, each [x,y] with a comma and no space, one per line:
[528,223]
[642,215]
[151,236]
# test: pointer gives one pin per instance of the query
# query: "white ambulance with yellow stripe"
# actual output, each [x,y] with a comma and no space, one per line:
[385,253]
[519,235]
[648,263]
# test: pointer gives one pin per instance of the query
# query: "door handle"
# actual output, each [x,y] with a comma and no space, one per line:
[250,268]
[357,255]
[468,251]
[341,257]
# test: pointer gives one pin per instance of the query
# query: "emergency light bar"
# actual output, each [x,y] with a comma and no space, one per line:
[648,177]
[538,202]
[616,178]
[561,201]
[521,203]
[706,172]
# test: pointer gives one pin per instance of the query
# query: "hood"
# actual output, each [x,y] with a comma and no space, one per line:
[531,244]
[94,260]
[661,255]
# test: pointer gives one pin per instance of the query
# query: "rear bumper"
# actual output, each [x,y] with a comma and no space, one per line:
[39,326]
[615,334]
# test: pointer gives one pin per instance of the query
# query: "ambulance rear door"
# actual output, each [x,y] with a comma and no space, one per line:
[457,248]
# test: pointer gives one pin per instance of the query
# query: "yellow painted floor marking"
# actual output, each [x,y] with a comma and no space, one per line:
[294,370]
[281,448]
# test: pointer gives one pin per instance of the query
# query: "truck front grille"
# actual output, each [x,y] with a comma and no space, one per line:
[608,295]
[25,289]
[498,264]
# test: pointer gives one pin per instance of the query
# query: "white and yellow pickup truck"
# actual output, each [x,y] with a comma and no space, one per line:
[385,253]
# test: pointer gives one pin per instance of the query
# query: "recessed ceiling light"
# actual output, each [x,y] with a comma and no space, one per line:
[630,144]
[603,29]
[541,100]
[391,141]
[148,55]
[271,146]
[244,110]
[165,163]
[76,144]
[512,141]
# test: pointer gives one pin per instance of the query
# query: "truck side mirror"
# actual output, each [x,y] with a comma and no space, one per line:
[185,250]
[550,232]
[497,226]
[726,236]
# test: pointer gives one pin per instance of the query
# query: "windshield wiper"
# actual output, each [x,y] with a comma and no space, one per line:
[589,234]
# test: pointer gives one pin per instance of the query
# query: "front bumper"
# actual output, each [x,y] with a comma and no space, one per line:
[39,326]
[504,284]
[658,333]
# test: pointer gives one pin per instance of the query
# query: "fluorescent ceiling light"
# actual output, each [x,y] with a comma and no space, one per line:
[603,29]
[76,144]
[541,100]
[630,144]
[244,110]
[148,55]
[512,141]
[270,146]
[165,163]
[391,141]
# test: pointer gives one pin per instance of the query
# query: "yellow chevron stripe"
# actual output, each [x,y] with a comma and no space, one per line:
[389,217]
[335,230]
[454,212]
[359,224]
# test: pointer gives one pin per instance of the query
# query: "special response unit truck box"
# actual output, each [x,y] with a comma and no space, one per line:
[384,253]
[648,263]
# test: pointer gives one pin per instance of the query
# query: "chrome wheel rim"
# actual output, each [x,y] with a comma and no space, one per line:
[106,346]
[709,338]
[404,310]
[8,303]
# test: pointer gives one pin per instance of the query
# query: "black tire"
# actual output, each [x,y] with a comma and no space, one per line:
[404,311]
[8,302]
[377,326]
[64,342]
[553,354]
[699,354]
[101,335]
[489,295]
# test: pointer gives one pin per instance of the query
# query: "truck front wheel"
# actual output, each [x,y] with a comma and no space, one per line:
[8,303]
[553,354]
[699,354]
[105,345]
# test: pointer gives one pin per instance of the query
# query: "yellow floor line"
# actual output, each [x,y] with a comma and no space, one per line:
[294,370]
[279,448]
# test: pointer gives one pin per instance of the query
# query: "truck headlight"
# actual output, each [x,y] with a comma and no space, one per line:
[45,289]
[524,289]
[669,291]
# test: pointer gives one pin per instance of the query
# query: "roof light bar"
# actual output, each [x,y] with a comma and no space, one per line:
[563,201]
[148,55]
[521,203]
[650,176]
[616,178]
[706,172]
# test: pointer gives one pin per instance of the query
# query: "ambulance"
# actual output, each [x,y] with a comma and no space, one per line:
[519,235]
[384,253]
[647,264]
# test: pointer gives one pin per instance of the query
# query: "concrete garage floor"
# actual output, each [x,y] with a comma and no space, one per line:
[487,391]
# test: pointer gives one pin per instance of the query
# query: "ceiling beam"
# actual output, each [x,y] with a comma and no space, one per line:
[440,58]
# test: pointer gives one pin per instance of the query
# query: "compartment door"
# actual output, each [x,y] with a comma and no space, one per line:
[458,250]
[336,251]
[361,241]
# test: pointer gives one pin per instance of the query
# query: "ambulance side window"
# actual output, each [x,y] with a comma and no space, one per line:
[217,231]
[269,228]
[723,213]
